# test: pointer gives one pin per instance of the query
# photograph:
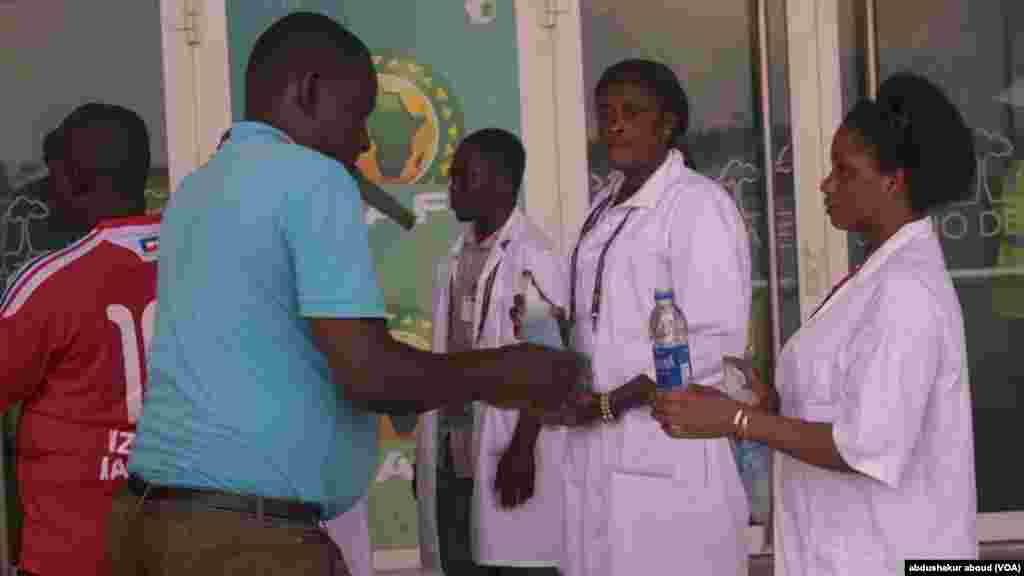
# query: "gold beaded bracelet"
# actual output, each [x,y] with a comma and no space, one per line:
[606,408]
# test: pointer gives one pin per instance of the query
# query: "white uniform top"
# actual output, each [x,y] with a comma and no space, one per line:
[638,501]
[351,532]
[531,535]
[884,360]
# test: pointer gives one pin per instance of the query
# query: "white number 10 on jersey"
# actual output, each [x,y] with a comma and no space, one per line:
[122,317]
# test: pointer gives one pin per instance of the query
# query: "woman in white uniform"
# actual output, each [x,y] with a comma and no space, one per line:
[875,461]
[636,500]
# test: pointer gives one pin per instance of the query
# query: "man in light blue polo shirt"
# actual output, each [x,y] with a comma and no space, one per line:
[271,352]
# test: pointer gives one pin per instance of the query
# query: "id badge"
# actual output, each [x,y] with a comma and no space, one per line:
[467,309]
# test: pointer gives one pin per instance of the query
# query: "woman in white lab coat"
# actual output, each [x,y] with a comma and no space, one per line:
[520,529]
[875,449]
[638,502]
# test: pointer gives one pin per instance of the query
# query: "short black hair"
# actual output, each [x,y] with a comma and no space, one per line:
[663,82]
[119,147]
[913,125]
[503,151]
[53,146]
[283,52]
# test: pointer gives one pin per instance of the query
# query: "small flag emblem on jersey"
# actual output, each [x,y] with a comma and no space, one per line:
[150,245]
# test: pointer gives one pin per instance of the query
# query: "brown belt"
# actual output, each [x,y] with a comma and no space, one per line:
[255,505]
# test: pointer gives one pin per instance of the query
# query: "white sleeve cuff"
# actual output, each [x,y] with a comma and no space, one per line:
[878,467]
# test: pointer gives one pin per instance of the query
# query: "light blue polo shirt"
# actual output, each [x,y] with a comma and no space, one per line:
[239,398]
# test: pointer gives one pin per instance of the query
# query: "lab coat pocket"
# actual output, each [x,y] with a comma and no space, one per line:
[648,451]
[824,412]
[659,528]
[644,511]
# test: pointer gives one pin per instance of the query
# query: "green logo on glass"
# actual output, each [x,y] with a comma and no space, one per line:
[415,126]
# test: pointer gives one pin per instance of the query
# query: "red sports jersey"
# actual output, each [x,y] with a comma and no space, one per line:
[74,327]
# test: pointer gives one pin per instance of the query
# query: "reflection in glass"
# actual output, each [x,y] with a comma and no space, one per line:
[51,62]
[975,51]
[52,66]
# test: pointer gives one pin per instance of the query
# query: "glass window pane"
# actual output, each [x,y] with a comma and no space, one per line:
[853,53]
[975,51]
[51,62]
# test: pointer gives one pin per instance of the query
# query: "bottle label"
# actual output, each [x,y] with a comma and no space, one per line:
[672,365]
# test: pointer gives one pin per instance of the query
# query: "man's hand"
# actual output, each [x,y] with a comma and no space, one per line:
[583,410]
[516,474]
[379,373]
[514,481]
[535,378]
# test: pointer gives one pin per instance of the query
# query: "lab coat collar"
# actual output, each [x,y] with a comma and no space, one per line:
[649,195]
[906,233]
[501,238]
[501,241]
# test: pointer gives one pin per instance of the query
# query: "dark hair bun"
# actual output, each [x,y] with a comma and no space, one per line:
[936,145]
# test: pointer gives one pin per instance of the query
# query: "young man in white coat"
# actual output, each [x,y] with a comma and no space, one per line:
[489,480]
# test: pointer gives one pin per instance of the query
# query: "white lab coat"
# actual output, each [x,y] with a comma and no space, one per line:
[351,532]
[884,360]
[638,501]
[532,534]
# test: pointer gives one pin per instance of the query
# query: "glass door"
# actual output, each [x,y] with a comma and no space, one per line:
[975,52]
[54,57]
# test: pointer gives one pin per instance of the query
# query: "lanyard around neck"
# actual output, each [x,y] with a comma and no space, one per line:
[591,222]
[835,289]
[484,306]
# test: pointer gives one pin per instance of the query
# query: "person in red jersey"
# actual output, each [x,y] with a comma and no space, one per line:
[74,327]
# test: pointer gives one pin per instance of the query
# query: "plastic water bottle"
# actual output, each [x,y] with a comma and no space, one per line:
[669,337]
